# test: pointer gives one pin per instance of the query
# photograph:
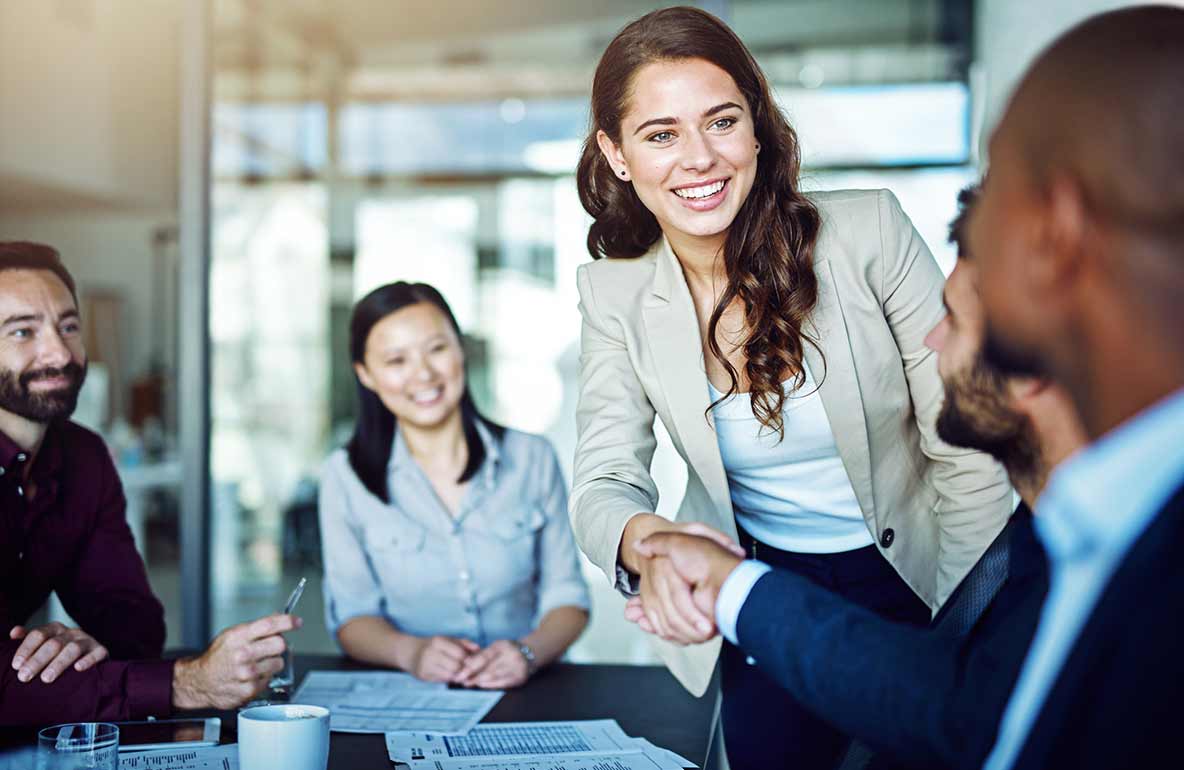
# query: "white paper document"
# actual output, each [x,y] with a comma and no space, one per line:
[625,761]
[585,745]
[333,684]
[379,702]
[223,757]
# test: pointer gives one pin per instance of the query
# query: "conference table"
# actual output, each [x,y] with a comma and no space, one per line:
[645,700]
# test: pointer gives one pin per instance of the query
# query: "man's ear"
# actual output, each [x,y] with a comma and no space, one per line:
[612,153]
[1023,389]
[1064,229]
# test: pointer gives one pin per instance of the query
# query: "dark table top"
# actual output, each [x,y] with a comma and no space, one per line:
[647,701]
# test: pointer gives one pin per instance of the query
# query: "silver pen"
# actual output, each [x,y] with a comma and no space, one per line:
[295,596]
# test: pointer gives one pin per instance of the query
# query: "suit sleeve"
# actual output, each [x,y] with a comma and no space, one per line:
[974,497]
[615,438]
[108,592]
[893,686]
[111,691]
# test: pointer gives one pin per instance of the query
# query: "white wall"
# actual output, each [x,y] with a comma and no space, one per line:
[88,95]
[1011,33]
[89,143]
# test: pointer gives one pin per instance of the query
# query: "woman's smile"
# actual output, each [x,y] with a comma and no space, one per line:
[703,196]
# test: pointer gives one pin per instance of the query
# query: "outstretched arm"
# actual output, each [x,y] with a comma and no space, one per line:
[901,689]
[924,699]
[613,496]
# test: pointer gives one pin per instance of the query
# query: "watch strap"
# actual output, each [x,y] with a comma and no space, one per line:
[532,661]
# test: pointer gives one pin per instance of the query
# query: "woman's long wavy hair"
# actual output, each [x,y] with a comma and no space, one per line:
[768,254]
[369,449]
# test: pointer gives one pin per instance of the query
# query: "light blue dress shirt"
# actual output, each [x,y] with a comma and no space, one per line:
[1095,507]
[489,573]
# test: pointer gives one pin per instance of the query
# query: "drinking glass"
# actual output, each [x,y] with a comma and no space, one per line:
[281,684]
[282,681]
[80,746]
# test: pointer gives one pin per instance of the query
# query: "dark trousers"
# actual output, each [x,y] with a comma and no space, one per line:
[764,727]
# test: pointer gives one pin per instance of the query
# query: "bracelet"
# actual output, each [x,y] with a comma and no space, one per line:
[532,661]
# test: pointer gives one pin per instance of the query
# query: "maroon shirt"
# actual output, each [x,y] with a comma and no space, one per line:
[72,537]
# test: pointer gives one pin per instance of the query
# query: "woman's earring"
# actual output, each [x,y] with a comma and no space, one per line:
[758,146]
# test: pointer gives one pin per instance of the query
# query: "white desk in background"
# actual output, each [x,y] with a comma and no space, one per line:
[138,482]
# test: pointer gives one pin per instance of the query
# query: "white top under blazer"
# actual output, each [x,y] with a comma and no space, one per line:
[792,493]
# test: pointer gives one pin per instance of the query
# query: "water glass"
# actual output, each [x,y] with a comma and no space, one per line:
[281,683]
[81,746]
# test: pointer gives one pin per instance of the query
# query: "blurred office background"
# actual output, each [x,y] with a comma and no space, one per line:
[226,177]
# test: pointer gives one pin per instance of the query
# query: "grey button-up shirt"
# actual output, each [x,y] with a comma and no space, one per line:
[491,572]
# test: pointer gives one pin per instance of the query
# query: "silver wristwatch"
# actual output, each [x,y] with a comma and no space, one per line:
[532,662]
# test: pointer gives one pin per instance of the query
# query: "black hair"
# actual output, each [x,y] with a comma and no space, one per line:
[26,255]
[369,449]
[967,197]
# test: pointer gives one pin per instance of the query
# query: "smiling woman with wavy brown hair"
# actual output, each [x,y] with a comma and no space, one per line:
[779,338]
[768,259]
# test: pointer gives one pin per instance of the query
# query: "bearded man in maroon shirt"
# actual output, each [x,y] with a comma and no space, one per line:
[63,528]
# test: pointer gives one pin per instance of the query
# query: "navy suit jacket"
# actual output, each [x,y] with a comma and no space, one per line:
[914,695]
[1116,702]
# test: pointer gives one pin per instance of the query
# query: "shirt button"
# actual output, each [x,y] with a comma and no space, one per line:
[887,537]
[1,470]
[464,576]
[21,457]
[20,491]
[750,660]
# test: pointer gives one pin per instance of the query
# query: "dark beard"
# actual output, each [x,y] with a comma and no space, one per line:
[44,406]
[975,415]
[1008,360]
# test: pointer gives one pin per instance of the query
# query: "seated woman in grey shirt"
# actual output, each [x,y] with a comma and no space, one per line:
[446,541]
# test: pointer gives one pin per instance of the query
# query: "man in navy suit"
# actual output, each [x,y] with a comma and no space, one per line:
[1080,241]
[924,698]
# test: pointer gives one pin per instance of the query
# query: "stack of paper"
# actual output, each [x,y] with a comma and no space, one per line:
[381,701]
[587,745]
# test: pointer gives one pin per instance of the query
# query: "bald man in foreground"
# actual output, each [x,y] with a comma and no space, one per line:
[1079,238]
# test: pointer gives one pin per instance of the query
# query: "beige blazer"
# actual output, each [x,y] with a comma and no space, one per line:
[879,295]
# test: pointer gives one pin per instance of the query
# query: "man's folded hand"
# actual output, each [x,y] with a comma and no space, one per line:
[51,649]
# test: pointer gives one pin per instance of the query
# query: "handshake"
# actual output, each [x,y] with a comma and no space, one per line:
[682,568]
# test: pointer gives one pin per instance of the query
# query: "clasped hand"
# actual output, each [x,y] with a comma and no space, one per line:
[682,570]
[446,659]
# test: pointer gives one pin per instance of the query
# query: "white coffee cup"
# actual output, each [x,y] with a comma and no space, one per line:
[291,736]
